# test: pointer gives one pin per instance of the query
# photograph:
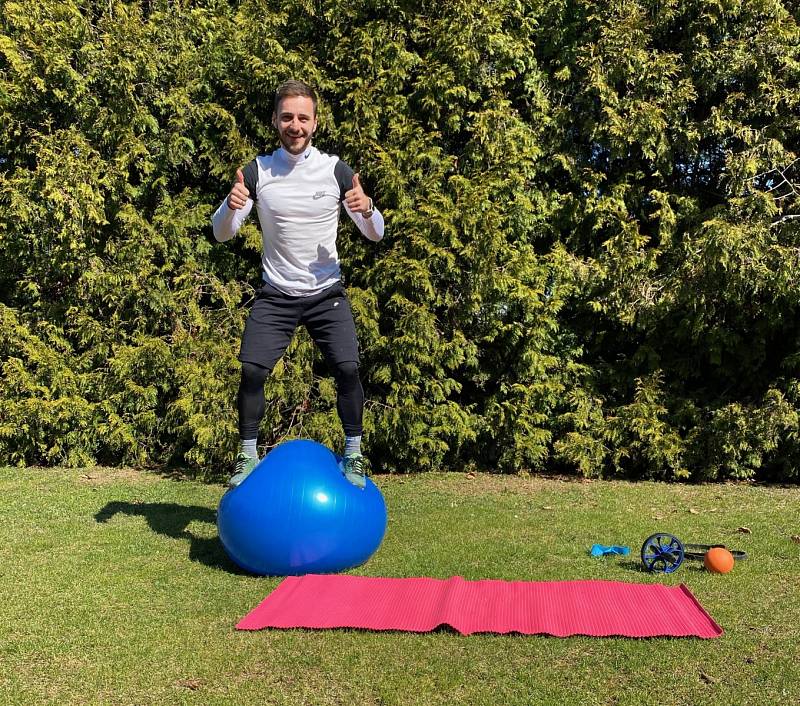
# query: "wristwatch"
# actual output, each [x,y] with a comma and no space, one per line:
[368,213]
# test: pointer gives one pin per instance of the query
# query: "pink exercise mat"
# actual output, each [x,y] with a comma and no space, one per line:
[559,608]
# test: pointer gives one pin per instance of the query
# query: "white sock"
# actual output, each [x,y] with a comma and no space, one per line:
[248,447]
[352,445]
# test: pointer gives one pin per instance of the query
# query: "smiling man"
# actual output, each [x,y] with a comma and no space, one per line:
[298,191]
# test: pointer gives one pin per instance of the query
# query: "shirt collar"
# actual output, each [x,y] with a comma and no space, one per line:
[296,158]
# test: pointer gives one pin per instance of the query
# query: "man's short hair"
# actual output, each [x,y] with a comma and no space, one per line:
[295,88]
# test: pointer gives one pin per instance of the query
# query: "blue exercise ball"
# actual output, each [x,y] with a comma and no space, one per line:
[296,513]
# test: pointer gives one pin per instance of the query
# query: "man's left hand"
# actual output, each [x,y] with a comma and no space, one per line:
[357,201]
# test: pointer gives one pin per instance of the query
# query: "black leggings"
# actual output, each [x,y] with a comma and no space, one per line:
[251,404]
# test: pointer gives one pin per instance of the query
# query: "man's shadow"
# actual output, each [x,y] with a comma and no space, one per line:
[171,520]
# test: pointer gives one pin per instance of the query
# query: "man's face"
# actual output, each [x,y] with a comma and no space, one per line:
[295,123]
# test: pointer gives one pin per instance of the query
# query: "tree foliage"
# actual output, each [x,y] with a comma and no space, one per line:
[591,262]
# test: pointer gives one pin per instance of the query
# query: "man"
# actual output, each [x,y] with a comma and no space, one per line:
[297,191]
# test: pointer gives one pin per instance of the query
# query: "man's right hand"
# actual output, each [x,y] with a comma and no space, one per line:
[239,193]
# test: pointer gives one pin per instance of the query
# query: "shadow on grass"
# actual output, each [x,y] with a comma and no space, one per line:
[638,567]
[631,565]
[171,520]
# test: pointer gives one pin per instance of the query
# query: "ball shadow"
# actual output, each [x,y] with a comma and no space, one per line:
[171,520]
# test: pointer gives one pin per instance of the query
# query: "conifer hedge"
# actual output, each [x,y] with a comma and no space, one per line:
[593,230]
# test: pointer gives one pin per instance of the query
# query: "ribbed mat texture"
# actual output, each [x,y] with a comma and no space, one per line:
[559,608]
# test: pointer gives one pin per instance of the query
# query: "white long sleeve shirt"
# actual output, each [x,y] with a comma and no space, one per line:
[297,200]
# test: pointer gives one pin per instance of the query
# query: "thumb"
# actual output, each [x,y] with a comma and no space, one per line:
[356,181]
[239,176]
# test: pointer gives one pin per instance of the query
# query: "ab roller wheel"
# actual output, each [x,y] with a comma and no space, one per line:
[664,553]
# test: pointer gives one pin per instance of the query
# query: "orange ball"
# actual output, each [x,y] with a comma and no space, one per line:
[718,560]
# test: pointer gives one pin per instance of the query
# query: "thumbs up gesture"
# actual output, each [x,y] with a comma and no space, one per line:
[239,193]
[355,198]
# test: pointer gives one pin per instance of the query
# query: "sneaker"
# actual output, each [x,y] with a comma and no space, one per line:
[244,466]
[354,467]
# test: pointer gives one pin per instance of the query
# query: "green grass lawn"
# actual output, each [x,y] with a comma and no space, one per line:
[115,590]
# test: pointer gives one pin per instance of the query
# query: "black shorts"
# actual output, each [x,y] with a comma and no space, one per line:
[274,317]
